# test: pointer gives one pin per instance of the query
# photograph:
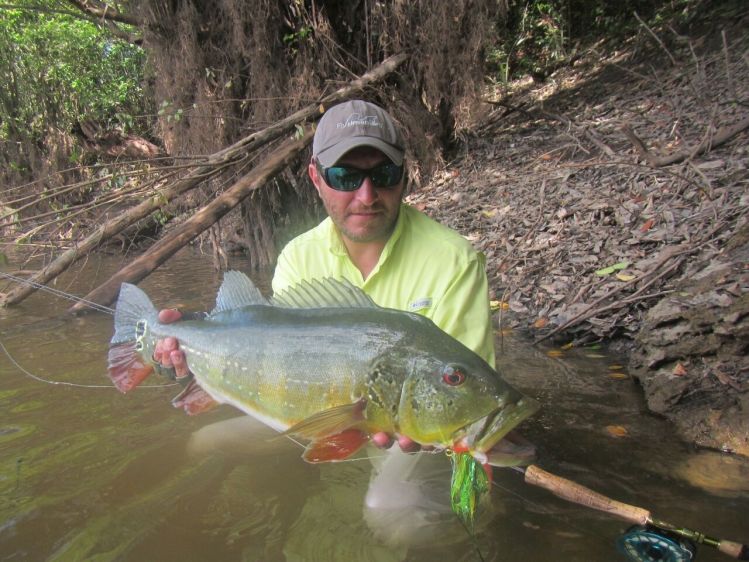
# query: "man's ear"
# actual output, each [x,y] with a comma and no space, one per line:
[314,175]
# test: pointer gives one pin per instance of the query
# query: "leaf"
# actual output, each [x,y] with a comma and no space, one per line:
[496,305]
[617,430]
[612,268]
[616,367]
[567,346]
[555,353]
[618,376]
[540,323]
[679,370]
[489,213]
[647,225]
[625,277]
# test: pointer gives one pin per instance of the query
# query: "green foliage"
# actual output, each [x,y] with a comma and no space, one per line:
[169,112]
[56,69]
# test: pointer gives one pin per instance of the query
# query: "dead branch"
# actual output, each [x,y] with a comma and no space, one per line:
[198,223]
[212,166]
[105,12]
[660,270]
[657,39]
[721,136]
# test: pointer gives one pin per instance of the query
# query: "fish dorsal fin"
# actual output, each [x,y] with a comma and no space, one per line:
[323,293]
[237,291]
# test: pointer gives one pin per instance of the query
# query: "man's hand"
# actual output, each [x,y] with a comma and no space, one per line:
[167,352]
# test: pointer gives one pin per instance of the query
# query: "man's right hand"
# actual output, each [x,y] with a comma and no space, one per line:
[167,352]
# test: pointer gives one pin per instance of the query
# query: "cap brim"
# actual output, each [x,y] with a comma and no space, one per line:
[330,156]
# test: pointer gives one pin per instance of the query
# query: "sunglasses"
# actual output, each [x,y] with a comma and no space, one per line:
[348,178]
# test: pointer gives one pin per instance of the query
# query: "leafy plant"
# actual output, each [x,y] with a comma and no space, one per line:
[56,69]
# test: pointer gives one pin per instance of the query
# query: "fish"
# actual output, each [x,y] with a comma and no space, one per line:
[322,362]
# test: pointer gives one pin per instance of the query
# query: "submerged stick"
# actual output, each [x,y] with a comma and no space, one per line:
[579,494]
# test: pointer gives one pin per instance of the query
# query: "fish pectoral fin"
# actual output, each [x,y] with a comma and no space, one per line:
[126,367]
[335,447]
[329,422]
[194,400]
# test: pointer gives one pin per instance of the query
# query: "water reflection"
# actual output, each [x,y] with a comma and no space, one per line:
[90,474]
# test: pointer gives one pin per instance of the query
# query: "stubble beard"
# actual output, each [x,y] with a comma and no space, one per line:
[379,232]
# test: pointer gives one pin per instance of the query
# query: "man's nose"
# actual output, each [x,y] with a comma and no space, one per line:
[367,193]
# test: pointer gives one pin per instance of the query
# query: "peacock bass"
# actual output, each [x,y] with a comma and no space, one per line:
[323,362]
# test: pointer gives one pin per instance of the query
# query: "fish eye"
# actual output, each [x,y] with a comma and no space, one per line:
[453,377]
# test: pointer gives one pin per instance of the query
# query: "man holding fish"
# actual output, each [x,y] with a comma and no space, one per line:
[379,331]
[397,255]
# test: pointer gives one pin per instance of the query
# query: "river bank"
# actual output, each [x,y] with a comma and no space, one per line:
[609,212]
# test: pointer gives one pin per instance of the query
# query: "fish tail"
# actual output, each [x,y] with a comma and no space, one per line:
[127,368]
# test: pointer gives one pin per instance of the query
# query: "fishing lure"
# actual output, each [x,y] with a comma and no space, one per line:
[468,485]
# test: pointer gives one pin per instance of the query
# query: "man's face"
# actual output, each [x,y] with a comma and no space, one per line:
[367,214]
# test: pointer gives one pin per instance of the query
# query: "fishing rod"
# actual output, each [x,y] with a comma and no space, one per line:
[649,539]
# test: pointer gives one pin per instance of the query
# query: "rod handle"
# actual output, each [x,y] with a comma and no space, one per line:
[576,493]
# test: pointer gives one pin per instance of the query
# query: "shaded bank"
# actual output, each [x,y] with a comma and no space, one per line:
[589,241]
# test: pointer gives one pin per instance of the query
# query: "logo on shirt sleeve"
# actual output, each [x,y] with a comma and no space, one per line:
[420,304]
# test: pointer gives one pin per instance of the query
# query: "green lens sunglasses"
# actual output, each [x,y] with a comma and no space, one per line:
[349,178]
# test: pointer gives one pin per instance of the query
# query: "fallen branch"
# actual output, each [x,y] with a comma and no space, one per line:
[202,220]
[721,136]
[652,275]
[211,167]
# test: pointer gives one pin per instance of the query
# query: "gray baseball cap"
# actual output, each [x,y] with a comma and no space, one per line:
[356,123]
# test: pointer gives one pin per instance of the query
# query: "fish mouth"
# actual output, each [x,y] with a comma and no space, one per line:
[487,438]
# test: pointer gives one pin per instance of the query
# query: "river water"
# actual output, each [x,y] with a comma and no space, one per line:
[87,473]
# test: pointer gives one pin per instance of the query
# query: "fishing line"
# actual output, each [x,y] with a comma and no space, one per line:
[67,296]
[58,293]
[63,383]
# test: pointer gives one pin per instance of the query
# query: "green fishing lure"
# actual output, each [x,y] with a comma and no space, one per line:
[468,485]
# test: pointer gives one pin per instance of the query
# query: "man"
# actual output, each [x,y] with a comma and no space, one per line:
[397,255]
[403,260]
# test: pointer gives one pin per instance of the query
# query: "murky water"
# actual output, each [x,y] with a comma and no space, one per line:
[90,474]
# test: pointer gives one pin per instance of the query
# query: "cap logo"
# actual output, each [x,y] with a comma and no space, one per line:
[358,119]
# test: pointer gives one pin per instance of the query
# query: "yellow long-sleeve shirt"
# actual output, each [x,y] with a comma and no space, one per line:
[425,267]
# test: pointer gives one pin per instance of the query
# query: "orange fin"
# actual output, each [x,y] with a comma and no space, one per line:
[194,400]
[329,422]
[335,447]
[126,367]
